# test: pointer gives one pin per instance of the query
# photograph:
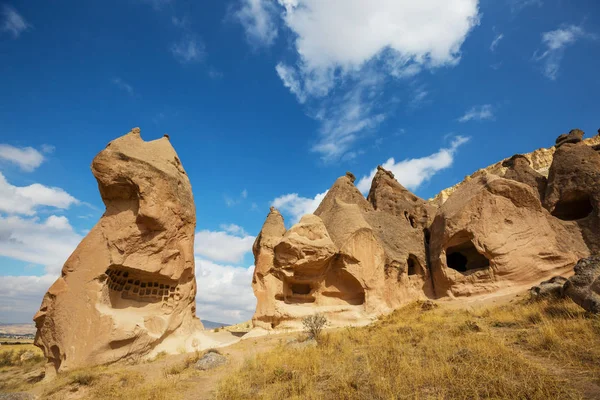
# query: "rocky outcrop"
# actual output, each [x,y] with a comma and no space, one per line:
[347,260]
[493,233]
[519,169]
[129,288]
[525,219]
[573,191]
[584,287]
[552,288]
[540,159]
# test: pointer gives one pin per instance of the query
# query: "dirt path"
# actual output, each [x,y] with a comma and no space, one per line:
[201,386]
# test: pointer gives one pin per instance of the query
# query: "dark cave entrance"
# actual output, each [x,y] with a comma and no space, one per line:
[413,265]
[300,288]
[573,206]
[465,257]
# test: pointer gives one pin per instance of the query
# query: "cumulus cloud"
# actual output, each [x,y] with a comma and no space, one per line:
[223,246]
[478,113]
[345,50]
[257,18]
[188,50]
[556,42]
[345,34]
[13,22]
[27,199]
[296,206]
[46,242]
[413,172]
[21,296]
[224,292]
[27,158]
[496,41]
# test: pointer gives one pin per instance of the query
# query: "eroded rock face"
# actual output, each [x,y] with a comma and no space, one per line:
[353,260]
[129,287]
[584,287]
[519,169]
[503,229]
[573,191]
[493,233]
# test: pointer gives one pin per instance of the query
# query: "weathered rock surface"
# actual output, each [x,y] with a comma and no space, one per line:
[573,191]
[520,221]
[129,288]
[346,260]
[584,287]
[519,169]
[552,288]
[540,159]
[210,360]
[493,233]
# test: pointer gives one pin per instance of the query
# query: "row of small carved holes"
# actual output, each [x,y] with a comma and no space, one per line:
[119,283]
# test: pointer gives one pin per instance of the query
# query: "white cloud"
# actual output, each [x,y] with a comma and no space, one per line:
[223,246]
[13,22]
[420,94]
[345,34]
[188,50]
[289,77]
[234,229]
[345,50]
[496,41]
[21,296]
[556,42]
[27,158]
[257,18]
[27,199]
[296,206]
[46,242]
[412,173]
[478,113]
[48,148]
[121,84]
[347,118]
[224,292]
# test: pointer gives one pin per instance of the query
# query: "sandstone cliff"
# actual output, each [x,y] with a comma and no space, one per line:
[517,222]
[129,287]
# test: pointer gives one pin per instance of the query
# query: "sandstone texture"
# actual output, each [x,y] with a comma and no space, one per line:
[353,260]
[540,159]
[129,287]
[584,287]
[520,221]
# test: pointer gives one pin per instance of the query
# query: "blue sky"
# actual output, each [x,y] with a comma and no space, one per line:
[268,102]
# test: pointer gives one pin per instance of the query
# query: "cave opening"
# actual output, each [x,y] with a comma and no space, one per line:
[465,257]
[573,206]
[414,267]
[300,288]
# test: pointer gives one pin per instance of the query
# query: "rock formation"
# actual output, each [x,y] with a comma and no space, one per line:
[584,287]
[345,260]
[522,220]
[540,162]
[129,288]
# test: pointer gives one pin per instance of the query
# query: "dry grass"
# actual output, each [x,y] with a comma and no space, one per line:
[434,354]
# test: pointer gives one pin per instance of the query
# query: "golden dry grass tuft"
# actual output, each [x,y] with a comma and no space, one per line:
[503,352]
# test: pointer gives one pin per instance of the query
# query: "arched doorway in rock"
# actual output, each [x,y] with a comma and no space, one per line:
[464,258]
[573,206]
[413,265]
